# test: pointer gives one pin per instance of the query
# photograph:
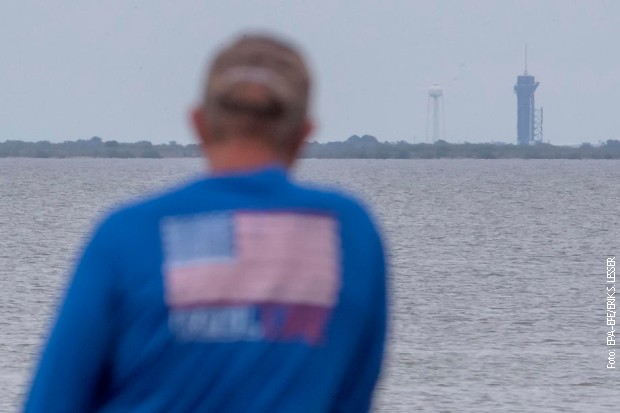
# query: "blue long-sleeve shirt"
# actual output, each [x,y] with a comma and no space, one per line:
[237,293]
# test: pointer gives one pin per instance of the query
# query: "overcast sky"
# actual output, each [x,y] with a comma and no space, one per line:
[130,69]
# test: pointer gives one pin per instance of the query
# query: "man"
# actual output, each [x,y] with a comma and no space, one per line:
[239,292]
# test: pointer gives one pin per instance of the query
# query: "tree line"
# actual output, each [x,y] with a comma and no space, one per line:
[356,147]
[96,147]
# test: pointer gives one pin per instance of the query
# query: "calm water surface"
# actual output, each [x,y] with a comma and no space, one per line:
[498,271]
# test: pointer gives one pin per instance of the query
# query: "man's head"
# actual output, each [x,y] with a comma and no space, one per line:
[256,97]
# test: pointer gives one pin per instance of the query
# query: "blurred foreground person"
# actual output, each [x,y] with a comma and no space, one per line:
[239,292]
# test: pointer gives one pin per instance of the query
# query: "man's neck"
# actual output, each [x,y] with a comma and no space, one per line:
[242,154]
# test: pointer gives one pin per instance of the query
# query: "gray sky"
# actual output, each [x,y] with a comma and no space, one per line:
[130,69]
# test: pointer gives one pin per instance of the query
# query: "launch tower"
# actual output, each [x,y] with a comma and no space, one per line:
[529,119]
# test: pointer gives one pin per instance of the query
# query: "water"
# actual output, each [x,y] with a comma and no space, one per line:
[498,271]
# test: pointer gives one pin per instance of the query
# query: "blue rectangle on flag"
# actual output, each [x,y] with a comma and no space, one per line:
[201,238]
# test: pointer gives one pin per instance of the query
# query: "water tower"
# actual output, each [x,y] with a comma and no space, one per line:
[435,93]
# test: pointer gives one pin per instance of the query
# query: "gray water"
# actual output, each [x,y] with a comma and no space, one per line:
[497,271]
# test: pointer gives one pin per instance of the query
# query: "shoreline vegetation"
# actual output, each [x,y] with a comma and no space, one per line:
[356,147]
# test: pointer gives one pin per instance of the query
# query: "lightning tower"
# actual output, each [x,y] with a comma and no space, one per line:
[529,119]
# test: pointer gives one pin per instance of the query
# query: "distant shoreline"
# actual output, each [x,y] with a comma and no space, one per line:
[356,147]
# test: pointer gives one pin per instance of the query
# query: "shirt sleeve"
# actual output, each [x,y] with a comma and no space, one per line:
[73,361]
[357,394]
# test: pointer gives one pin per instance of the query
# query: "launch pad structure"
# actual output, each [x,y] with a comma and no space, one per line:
[529,118]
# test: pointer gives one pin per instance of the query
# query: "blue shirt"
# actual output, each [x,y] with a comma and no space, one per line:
[237,293]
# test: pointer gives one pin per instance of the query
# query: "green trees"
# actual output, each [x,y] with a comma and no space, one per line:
[370,147]
[359,147]
[95,147]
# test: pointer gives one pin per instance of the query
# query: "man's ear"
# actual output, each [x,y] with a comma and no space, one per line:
[302,135]
[200,124]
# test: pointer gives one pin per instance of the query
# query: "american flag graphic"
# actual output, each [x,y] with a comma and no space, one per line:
[251,275]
